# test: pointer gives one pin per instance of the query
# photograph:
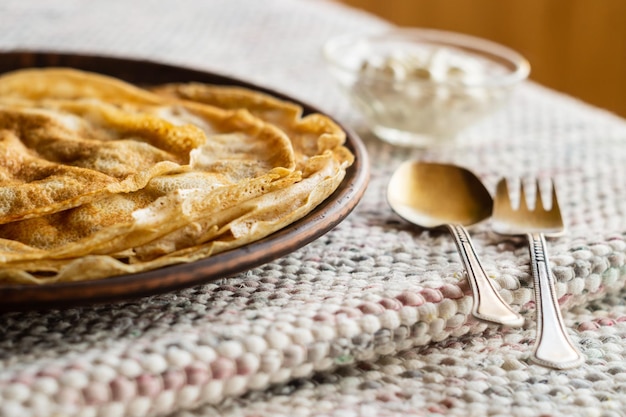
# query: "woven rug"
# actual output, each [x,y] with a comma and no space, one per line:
[373,318]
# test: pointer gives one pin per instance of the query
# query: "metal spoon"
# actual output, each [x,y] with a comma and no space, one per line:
[434,195]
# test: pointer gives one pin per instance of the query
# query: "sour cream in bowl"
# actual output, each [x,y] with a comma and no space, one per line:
[421,87]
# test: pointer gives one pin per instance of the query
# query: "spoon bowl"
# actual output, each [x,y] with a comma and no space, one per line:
[432,195]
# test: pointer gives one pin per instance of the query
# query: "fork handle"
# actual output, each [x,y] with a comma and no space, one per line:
[553,347]
[488,305]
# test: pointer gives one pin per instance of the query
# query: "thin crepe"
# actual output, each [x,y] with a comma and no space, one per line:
[257,167]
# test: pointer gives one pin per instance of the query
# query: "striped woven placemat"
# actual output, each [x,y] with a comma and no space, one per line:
[372,318]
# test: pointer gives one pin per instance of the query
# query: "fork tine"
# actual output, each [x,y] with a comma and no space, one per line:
[502,193]
[523,203]
[539,206]
[555,201]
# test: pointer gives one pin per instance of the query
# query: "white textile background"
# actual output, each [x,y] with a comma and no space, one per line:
[372,318]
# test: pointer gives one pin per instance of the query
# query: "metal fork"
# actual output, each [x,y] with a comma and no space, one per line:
[553,347]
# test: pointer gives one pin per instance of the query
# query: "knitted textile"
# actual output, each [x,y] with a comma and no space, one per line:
[374,317]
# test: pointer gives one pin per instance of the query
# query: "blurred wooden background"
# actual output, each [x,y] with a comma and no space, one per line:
[574,46]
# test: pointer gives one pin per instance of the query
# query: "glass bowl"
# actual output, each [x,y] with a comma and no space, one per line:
[421,87]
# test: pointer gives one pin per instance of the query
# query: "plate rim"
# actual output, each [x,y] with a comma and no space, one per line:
[326,216]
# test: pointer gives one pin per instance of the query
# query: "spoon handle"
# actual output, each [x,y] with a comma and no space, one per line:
[488,305]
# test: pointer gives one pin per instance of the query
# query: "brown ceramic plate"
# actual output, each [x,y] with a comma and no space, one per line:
[321,220]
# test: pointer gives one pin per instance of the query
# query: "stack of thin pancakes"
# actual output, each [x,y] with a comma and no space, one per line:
[101,178]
